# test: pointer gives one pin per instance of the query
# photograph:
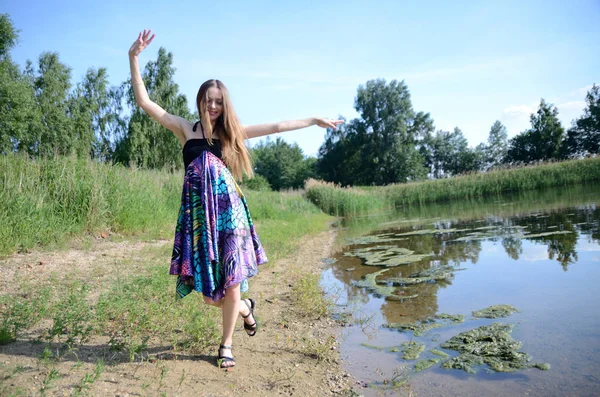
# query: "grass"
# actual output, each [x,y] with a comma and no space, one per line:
[46,203]
[354,201]
[282,218]
[309,299]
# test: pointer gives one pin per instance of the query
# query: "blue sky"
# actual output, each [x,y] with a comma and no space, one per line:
[467,63]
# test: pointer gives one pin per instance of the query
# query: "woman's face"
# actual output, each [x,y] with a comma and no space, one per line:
[214,103]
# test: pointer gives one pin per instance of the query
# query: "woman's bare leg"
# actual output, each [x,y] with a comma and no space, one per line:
[211,302]
[230,309]
[244,310]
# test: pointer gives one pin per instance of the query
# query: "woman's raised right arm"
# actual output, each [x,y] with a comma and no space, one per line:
[171,122]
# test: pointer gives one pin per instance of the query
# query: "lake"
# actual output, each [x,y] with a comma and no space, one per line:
[537,251]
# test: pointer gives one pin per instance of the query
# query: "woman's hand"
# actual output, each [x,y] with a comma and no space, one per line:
[144,39]
[326,123]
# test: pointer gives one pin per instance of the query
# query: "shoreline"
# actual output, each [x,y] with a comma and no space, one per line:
[293,353]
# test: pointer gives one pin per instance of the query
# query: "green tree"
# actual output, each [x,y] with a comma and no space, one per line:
[584,136]
[9,36]
[542,141]
[447,153]
[95,110]
[497,145]
[282,164]
[442,153]
[18,111]
[146,143]
[389,153]
[52,84]
[380,146]
[339,155]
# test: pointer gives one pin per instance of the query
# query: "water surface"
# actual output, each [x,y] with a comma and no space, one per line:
[538,251]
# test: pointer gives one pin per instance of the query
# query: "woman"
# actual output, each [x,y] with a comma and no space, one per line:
[216,248]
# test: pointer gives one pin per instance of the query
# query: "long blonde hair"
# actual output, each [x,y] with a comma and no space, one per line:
[228,129]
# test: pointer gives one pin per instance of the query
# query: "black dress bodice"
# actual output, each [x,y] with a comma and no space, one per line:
[195,146]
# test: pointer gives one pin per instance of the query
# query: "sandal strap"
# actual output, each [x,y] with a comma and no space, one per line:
[225,347]
[250,307]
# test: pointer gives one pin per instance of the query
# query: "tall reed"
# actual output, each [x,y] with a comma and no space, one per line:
[336,200]
[42,202]
[46,202]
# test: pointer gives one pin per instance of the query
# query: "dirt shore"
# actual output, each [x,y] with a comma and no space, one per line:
[277,361]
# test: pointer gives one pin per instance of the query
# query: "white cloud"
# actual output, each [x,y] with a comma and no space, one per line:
[516,117]
[581,92]
[518,111]
[571,106]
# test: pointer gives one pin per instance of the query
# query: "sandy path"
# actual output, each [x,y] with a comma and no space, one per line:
[274,362]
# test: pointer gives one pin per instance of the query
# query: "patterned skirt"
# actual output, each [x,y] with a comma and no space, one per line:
[216,246]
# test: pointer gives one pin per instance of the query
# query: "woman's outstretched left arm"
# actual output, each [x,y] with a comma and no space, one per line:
[253,131]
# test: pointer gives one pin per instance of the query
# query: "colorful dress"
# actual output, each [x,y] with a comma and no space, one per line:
[216,246]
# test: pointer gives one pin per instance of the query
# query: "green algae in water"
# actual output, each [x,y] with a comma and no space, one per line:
[454,318]
[419,328]
[393,349]
[496,311]
[438,353]
[404,281]
[422,365]
[388,256]
[426,276]
[465,361]
[428,231]
[412,350]
[393,237]
[400,298]
[416,328]
[491,345]
[486,232]
[437,272]
[362,251]
[473,237]
[372,346]
[375,239]
[547,234]
[389,293]
[542,366]
[370,284]
[399,260]
[487,227]
[483,236]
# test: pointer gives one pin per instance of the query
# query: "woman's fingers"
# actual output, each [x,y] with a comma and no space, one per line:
[144,38]
[326,123]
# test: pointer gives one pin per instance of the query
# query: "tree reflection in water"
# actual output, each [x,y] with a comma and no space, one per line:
[464,245]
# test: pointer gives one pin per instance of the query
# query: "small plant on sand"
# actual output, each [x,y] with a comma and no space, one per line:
[320,349]
[50,377]
[20,312]
[309,298]
[89,379]
[72,318]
